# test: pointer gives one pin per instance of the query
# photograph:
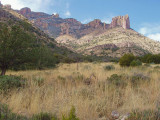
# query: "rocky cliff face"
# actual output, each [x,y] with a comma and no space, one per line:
[56,26]
[7,6]
[94,38]
[122,21]
[25,11]
[1,5]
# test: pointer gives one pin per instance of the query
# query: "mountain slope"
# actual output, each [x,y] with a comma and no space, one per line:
[94,38]
[55,26]
[10,17]
[113,42]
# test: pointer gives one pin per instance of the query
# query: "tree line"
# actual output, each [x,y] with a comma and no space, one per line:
[20,48]
[131,60]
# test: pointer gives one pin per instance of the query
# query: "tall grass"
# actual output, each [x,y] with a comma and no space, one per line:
[87,87]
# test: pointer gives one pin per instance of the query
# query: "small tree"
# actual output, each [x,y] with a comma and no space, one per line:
[136,63]
[16,46]
[126,60]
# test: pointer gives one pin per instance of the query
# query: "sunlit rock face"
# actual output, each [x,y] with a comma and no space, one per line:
[122,21]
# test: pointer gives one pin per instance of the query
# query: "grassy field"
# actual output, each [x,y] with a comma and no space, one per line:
[92,88]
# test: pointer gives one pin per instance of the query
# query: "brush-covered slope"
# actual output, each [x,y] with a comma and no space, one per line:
[11,17]
[96,37]
[114,42]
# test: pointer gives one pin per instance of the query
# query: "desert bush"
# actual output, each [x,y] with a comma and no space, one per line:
[39,81]
[117,80]
[144,115]
[87,67]
[109,67]
[68,60]
[157,67]
[11,82]
[126,60]
[61,78]
[6,114]
[86,93]
[147,65]
[138,78]
[136,63]
[71,116]
[44,116]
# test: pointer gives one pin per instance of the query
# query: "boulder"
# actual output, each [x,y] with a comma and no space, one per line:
[115,115]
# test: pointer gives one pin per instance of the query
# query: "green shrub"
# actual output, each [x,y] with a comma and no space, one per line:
[39,81]
[149,58]
[138,78]
[71,116]
[136,63]
[117,80]
[109,67]
[6,114]
[11,82]
[68,60]
[44,116]
[157,67]
[147,65]
[126,60]
[144,115]
[114,60]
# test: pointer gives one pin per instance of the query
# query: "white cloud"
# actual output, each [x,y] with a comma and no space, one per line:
[150,30]
[67,13]
[86,21]
[35,5]
[154,36]
[61,6]
[17,4]
[108,19]
[143,31]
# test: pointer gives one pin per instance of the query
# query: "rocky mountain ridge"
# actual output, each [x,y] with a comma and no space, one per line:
[10,18]
[56,26]
[94,38]
[113,42]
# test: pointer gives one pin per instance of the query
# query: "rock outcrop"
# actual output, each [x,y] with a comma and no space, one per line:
[122,21]
[55,15]
[95,24]
[56,26]
[7,6]
[25,10]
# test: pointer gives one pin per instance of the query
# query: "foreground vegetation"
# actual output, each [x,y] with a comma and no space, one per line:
[94,89]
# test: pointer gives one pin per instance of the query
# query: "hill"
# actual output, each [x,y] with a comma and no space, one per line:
[11,17]
[113,42]
[94,38]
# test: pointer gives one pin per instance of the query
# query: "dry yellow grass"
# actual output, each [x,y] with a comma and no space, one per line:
[84,86]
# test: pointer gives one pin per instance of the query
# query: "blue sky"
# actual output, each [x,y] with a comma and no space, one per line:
[144,14]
